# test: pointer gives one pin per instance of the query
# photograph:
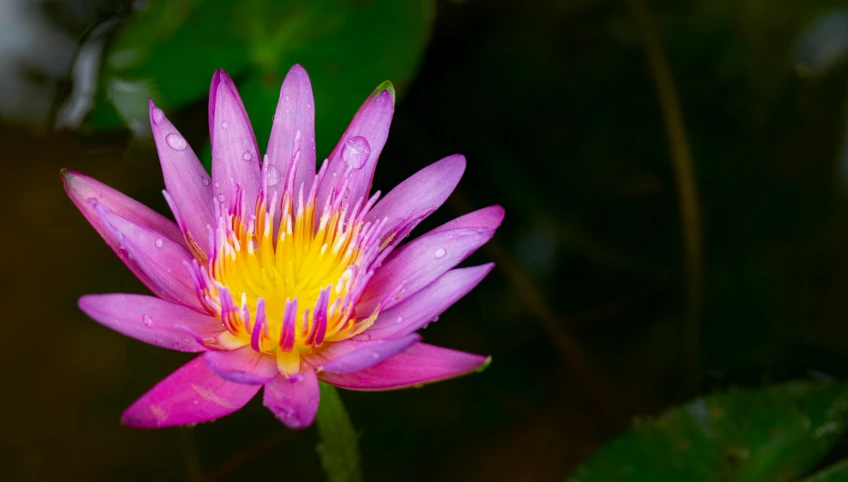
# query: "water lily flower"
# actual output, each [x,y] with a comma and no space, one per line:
[279,275]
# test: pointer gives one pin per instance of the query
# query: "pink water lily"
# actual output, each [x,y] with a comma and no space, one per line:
[279,275]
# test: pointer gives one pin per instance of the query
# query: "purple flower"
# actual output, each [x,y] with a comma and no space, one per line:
[279,275]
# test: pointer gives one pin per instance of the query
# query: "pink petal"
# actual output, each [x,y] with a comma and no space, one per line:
[420,363]
[192,394]
[161,259]
[294,401]
[151,320]
[360,147]
[185,178]
[243,365]
[81,188]
[235,155]
[419,263]
[352,356]
[293,132]
[418,196]
[422,307]
[489,217]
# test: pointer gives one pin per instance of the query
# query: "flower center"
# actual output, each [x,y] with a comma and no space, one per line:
[286,276]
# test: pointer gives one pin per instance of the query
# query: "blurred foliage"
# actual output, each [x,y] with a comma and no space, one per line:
[835,473]
[339,447]
[777,433]
[169,50]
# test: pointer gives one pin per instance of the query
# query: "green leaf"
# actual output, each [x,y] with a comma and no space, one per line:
[339,447]
[837,472]
[170,51]
[776,433]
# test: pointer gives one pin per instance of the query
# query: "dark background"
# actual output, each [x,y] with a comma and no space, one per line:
[593,314]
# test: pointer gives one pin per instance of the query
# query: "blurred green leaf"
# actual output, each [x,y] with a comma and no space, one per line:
[777,433]
[170,50]
[339,447]
[837,472]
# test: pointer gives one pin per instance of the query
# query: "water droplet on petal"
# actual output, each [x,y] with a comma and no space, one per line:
[224,125]
[159,242]
[287,97]
[158,115]
[195,402]
[399,320]
[217,184]
[246,156]
[356,151]
[333,173]
[375,355]
[308,106]
[440,253]
[221,197]
[176,142]
[273,176]
[287,111]
[147,320]
[205,181]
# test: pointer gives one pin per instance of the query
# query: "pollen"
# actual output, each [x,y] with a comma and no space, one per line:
[284,276]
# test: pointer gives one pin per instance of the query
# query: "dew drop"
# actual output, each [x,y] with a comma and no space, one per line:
[217,184]
[356,151]
[375,355]
[158,115]
[308,106]
[333,173]
[224,125]
[159,242]
[273,176]
[440,253]
[246,156]
[287,97]
[195,402]
[205,181]
[287,111]
[176,142]
[221,197]
[147,320]
[399,320]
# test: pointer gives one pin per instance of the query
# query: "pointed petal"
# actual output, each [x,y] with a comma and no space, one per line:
[292,136]
[235,155]
[419,263]
[422,307]
[352,356]
[151,320]
[360,147]
[161,259]
[81,189]
[243,365]
[294,401]
[407,204]
[489,217]
[420,363]
[185,178]
[192,394]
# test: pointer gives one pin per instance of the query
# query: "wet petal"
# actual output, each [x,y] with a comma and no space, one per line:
[292,136]
[192,394]
[151,320]
[360,146]
[243,365]
[420,363]
[81,189]
[418,196]
[185,178]
[422,307]
[489,217]
[352,356]
[419,263]
[161,259]
[235,155]
[294,401]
